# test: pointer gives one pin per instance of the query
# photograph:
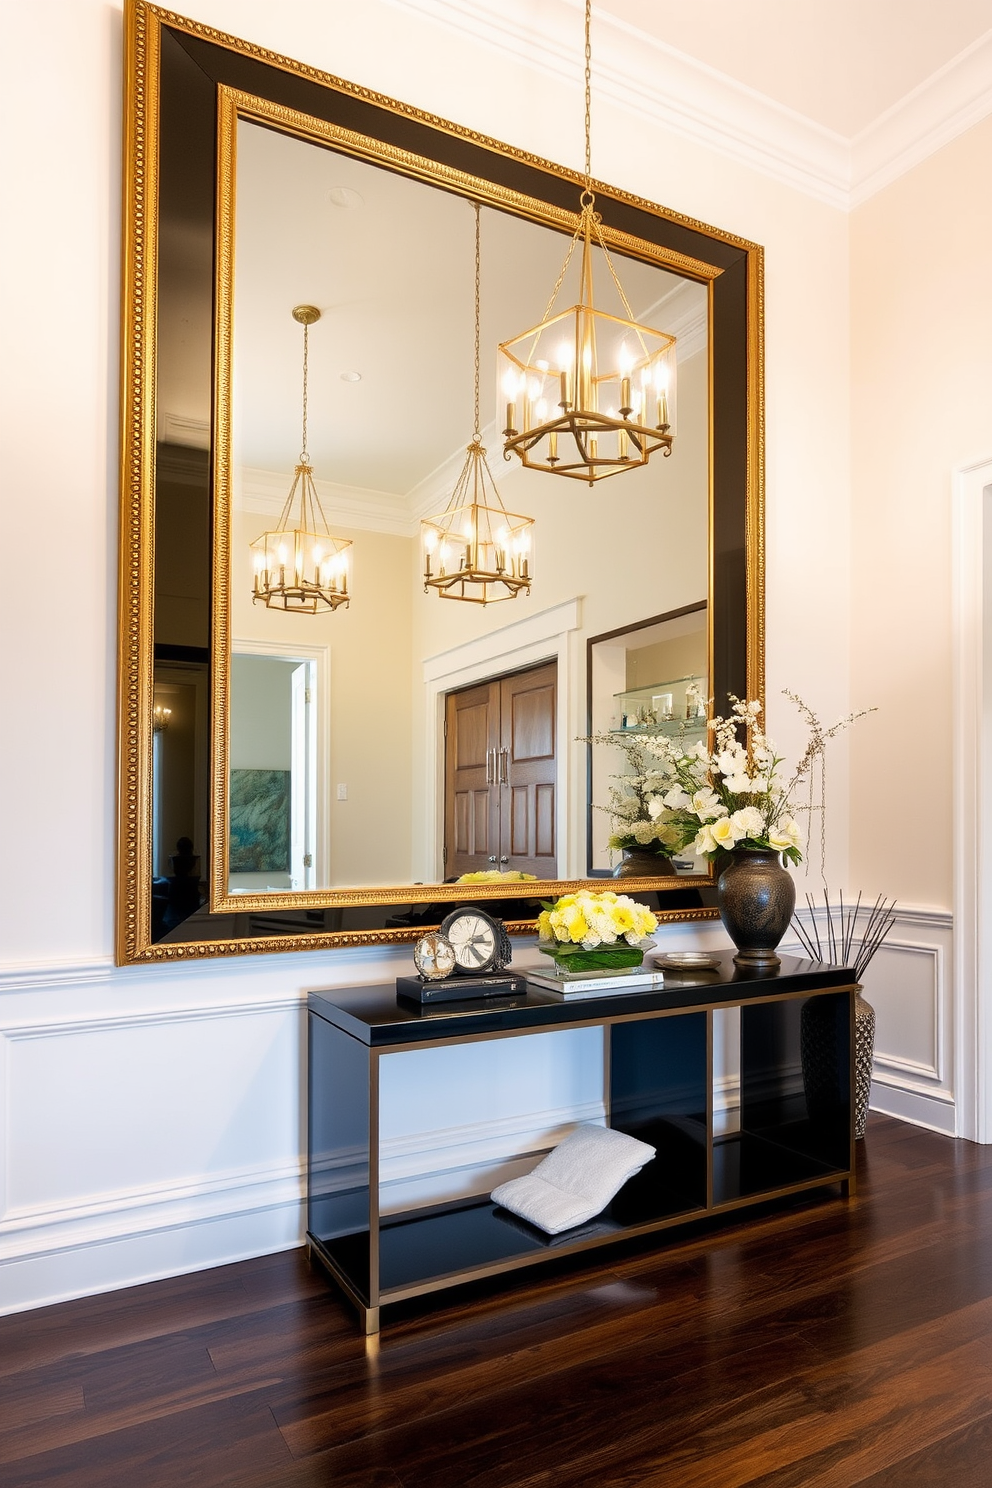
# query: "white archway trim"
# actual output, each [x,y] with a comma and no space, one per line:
[972,656]
[542,637]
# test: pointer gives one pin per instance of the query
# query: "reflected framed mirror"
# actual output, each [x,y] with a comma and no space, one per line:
[293,780]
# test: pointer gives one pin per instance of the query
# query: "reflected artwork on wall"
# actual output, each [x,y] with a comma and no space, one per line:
[260,821]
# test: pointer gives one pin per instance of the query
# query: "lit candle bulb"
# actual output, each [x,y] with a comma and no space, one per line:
[626,363]
[510,386]
[566,357]
[585,381]
[661,388]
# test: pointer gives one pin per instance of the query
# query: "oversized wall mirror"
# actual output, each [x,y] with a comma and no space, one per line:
[291,780]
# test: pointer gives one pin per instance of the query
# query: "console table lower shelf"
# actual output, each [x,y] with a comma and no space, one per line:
[796,1119]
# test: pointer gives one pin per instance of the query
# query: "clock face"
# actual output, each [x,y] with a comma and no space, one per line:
[434,956]
[475,939]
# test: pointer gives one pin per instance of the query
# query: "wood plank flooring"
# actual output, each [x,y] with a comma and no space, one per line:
[824,1346]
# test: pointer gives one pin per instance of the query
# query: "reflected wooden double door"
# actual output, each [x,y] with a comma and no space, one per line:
[500,775]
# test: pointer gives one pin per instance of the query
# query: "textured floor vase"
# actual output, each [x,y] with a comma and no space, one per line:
[756,896]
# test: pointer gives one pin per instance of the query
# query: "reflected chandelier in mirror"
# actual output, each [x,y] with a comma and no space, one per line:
[306,759]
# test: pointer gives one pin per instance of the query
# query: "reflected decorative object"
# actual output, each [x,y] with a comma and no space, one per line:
[476,550]
[302,568]
[588,393]
[260,821]
[849,941]
[643,862]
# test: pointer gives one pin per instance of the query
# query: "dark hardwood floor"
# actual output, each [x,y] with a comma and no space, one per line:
[827,1346]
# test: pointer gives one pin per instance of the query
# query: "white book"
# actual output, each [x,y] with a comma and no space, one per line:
[593,984]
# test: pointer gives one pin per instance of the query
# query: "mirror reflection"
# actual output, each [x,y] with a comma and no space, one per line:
[647,678]
[400,740]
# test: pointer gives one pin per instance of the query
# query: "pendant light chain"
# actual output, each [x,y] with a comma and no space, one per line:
[588,99]
[475,550]
[304,457]
[477,436]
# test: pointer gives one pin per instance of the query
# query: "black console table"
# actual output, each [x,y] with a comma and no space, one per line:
[659,1062]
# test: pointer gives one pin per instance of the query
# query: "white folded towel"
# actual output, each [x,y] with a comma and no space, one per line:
[576,1180]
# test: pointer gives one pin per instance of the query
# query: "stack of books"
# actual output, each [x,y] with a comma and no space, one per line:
[576,984]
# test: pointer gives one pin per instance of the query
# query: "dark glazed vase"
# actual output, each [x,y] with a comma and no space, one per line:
[756,897]
[641,862]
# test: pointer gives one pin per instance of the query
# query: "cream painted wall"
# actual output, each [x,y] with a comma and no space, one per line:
[921,405]
[183,1083]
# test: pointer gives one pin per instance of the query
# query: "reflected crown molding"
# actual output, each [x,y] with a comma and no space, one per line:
[643,76]
[264,492]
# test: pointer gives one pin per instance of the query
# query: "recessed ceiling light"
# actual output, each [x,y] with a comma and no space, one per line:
[345,196]
[351,376]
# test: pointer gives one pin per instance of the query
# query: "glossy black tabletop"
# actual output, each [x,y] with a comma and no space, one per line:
[375,1015]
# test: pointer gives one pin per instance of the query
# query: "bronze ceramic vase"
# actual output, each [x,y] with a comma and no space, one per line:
[756,896]
[641,862]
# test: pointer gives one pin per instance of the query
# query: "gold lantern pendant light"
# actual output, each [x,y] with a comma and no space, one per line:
[476,550]
[588,394]
[301,568]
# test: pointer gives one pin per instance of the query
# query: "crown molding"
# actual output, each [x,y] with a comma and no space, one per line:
[655,82]
[264,492]
[951,101]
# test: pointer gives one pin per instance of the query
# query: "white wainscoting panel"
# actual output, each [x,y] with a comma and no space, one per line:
[909,984]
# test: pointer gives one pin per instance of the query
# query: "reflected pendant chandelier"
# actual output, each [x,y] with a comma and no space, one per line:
[476,550]
[301,567]
[588,394]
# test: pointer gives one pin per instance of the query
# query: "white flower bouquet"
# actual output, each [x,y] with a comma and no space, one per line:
[735,795]
[630,807]
[589,931]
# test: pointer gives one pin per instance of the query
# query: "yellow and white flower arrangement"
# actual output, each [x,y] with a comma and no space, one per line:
[735,795]
[586,921]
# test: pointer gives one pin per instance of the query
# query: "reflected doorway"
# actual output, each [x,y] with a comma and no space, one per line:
[501,775]
[274,843]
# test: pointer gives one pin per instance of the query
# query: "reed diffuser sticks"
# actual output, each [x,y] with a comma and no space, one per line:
[846,942]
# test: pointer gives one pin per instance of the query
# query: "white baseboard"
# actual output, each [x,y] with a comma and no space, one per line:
[83,1266]
[935,1111]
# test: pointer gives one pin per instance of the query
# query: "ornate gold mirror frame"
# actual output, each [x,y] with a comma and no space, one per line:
[186,86]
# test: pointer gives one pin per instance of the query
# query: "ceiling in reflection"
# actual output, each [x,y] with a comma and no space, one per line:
[390,264]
